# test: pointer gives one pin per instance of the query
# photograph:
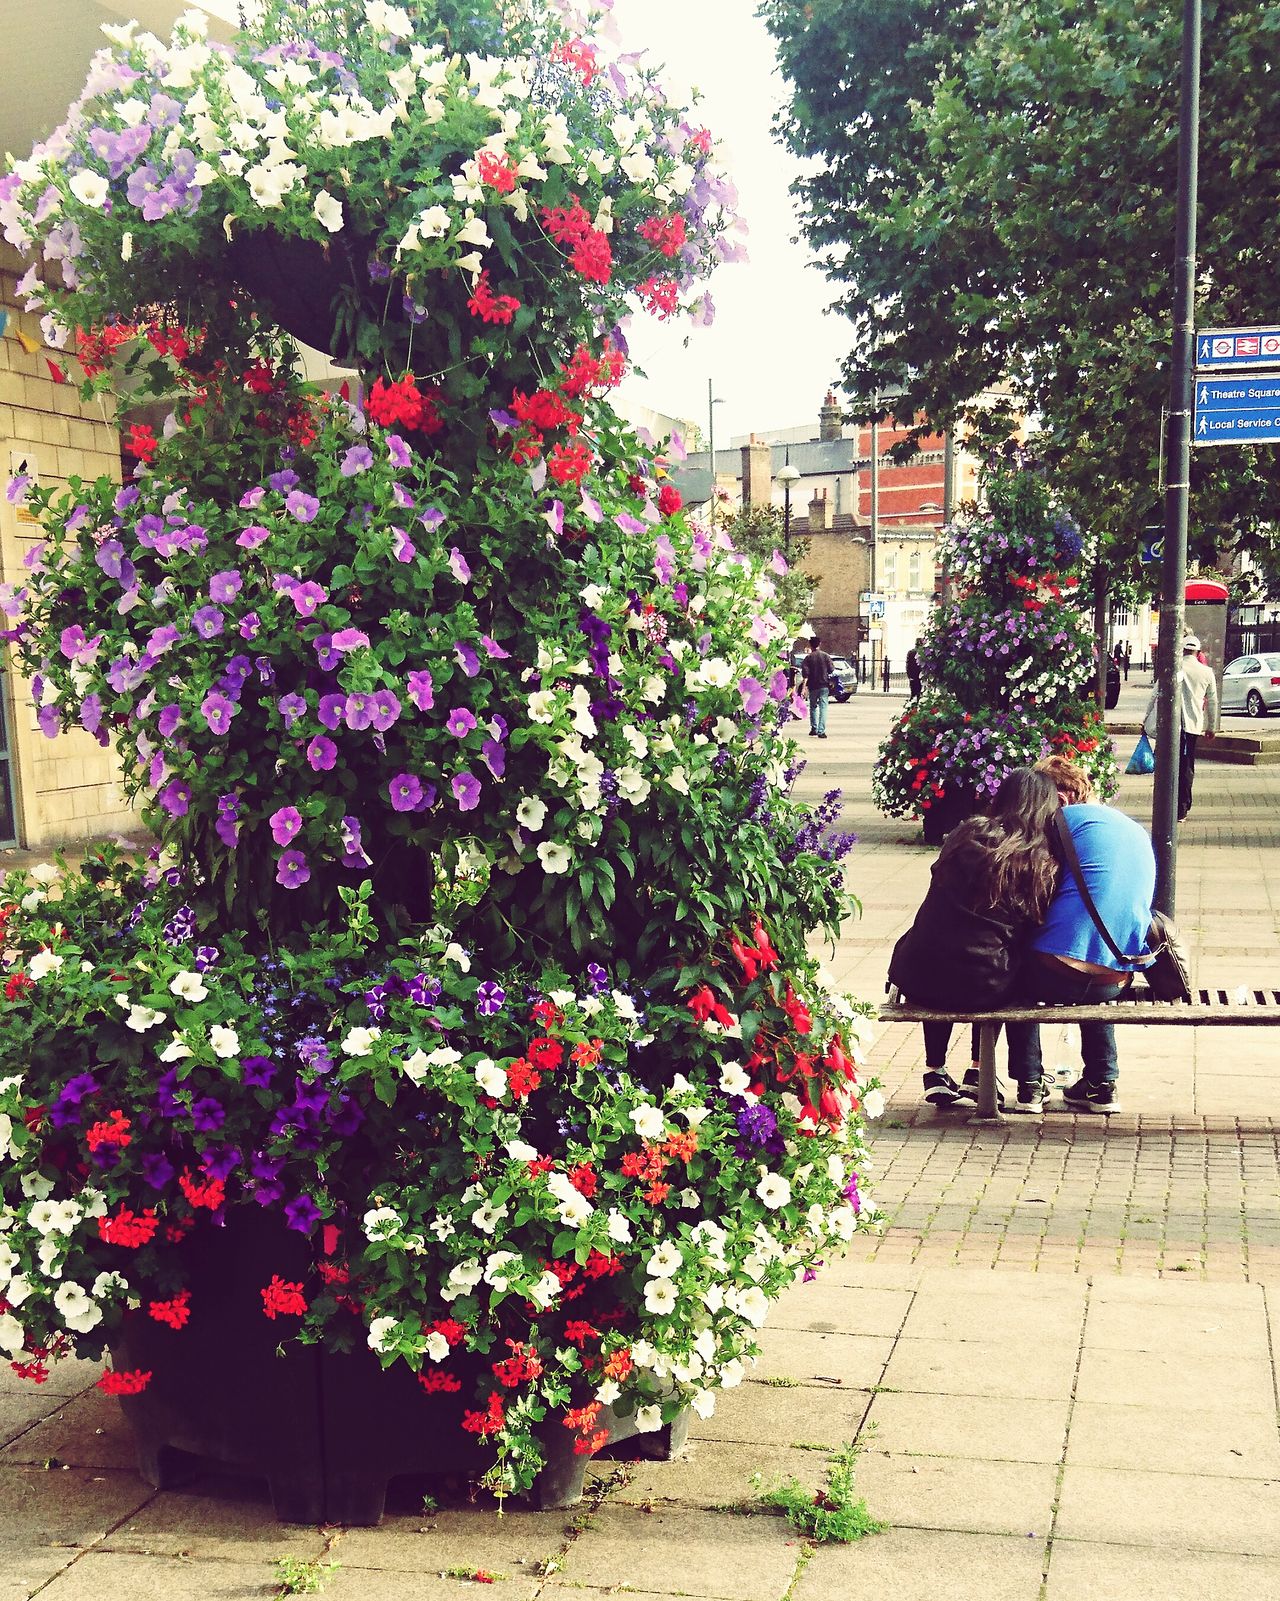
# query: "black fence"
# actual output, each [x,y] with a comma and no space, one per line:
[884,674]
[1251,639]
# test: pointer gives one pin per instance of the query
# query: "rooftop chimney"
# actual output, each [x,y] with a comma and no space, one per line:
[757,473]
[830,423]
[819,512]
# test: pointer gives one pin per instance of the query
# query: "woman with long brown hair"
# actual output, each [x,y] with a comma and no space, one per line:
[991,885]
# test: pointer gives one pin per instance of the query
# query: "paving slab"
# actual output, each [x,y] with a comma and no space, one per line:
[24,1568]
[956,1494]
[1167,1378]
[87,1430]
[65,1506]
[1025,1368]
[761,1414]
[686,1552]
[20,1413]
[104,1576]
[1219,1442]
[1171,1510]
[471,1537]
[968,1426]
[923,1565]
[215,1516]
[719,1473]
[856,1360]
[830,1308]
[1089,1572]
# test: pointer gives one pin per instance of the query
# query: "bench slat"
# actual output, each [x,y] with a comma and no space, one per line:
[1197,1014]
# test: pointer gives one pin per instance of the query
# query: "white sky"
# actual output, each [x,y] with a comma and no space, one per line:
[772,352]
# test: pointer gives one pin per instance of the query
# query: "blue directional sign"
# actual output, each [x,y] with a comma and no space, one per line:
[1237,349]
[1239,410]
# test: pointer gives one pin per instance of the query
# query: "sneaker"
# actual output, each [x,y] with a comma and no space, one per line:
[969,1088]
[1082,1097]
[940,1089]
[1032,1097]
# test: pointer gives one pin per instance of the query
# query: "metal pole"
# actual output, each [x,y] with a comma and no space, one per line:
[1173,577]
[948,477]
[875,523]
[711,441]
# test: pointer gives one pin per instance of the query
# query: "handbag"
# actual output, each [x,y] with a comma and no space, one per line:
[1165,963]
[1143,759]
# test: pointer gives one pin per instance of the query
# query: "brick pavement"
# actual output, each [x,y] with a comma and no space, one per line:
[1059,1358]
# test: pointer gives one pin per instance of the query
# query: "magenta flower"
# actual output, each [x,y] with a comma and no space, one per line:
[460,723]
[291,707]
[495,757]
[300,506]
[422,691]
[399,451]
[207,622]
[285,824]
[331,709]
[217,712]
[356,460]
[322,754]
[402,547]
[386,710]
[493,650]
[175,797]
[359,711]
[292,870]
[405,790]
[466,791]
[458,566]
[252,498]
[225,586]
[754,694]
[467,658]
[349,639]
[253,536]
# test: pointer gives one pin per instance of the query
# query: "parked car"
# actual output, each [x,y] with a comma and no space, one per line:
[1251,684]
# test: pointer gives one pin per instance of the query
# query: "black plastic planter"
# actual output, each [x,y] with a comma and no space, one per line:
[327,1431]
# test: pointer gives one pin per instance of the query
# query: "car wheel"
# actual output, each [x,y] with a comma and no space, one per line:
[1255,705]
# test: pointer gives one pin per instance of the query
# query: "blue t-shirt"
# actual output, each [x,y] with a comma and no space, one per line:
[1119,867]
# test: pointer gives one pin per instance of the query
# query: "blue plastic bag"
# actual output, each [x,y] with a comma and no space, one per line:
[1143,759]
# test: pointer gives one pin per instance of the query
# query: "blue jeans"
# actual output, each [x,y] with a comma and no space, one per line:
[818,710]
[1041,982]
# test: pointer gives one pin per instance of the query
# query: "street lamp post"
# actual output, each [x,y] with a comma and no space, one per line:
[787,477]
[712,402]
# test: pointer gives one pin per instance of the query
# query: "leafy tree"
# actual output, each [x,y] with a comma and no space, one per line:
[993,186]
[758,530]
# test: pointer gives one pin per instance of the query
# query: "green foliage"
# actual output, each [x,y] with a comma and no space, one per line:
[836,1515]
[759,530]
[297,1576]
[993,188]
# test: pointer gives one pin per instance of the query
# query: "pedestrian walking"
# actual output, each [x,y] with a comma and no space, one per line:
[816,670]
[913,673]
[1126,660]
[1198,699]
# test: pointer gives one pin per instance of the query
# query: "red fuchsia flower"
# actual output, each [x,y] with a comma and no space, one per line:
[124,1381]
[176,1311]
[670,500]
[706,1008]
[131,1229]
[768,956]
[667,233]
[569,464]
[283,1298]
[499,172]
[490,307]
[797,1011]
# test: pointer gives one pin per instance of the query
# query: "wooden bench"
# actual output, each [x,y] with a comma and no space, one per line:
[1208,1008]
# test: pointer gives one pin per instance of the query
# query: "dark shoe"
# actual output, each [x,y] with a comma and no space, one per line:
[1082,1097]
[1031,1098]
[940,1089]
[822,736]
[969,1088]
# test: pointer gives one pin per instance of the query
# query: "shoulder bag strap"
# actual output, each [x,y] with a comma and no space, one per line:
[1067,847]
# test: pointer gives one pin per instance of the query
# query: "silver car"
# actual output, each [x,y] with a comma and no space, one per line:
[1251,684]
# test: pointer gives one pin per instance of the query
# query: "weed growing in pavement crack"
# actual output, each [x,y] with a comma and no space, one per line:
[836,1514]
[297,1576]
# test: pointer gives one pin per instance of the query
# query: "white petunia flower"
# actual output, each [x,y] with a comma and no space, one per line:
[555,858]
[774,1190]
[328,210]
[665,1262]
[77,1309]
[437,1347]
[491,1078]
[90,188]
[380,1332]
[531,813]
[43,963]
[141,1018]
[380,1222]
[415,1067]
[360,1041]
[648,1419]
[873,1103]
[188,987]
[223,1041]
[648,1121]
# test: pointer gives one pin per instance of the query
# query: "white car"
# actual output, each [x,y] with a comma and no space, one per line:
[1251,684]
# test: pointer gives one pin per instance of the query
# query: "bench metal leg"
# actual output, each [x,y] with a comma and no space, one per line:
[988,1107]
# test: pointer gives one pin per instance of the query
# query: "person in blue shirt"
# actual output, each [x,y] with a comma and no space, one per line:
[1070,962]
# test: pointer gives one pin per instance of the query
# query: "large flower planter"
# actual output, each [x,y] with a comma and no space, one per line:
[328,1431]
[948,813]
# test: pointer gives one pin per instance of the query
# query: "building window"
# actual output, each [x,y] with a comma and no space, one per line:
[889,570]
[913,569]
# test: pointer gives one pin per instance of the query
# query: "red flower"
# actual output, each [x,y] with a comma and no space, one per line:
[657,1193]
[593,256]
[207,1192]
[522,1078]
[283,1298]
[544,409]
[682,1147]
[582,1418]
[580,56]
[260,379]
[569,464]
[670,500]
[17,982]
[586,1053]
[567,225]
[436,1379]
[584,1179]
[545,1054]
[490,307]
[176,1311]
[113,1130]
[499,172]
[601,1267]
[521,1367]
[705,1007]
[665,232]
[452,1330]
[660,296]
[618,1364]
[141,442]
[404,405]
[797,1011]
[546,1013]
[487,1422]
[579,1332]
[129,1228]
[128,1381]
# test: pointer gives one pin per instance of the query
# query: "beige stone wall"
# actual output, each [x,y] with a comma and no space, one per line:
[66,788]
[843,564]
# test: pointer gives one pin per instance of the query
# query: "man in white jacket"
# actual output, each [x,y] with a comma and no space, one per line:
[1198,694]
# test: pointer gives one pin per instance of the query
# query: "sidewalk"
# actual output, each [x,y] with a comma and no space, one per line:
[1059,1358]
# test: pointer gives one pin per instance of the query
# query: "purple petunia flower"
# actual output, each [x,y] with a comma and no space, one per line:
[466,791]
[467,658]
[207,622]
[399,451]
[217,712]
[350,639]
[225,586]
[458,566]
[206,957]
[385,710]
[493,650]
[356,460]
[157,1170]
[495,757]
[327,658]
[258,1071]
[489,999]
[292,870]
[597,977]
[253,536]
[359,711]
[251,498]
[282,481]
[330,710]
[302,1214]
[460,722]
[406,793]
[285,824]
[175,798]
[754,694]
[207,1114]
[291,708]
[301,506]
[422,690]
[322,754]
[250,623]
